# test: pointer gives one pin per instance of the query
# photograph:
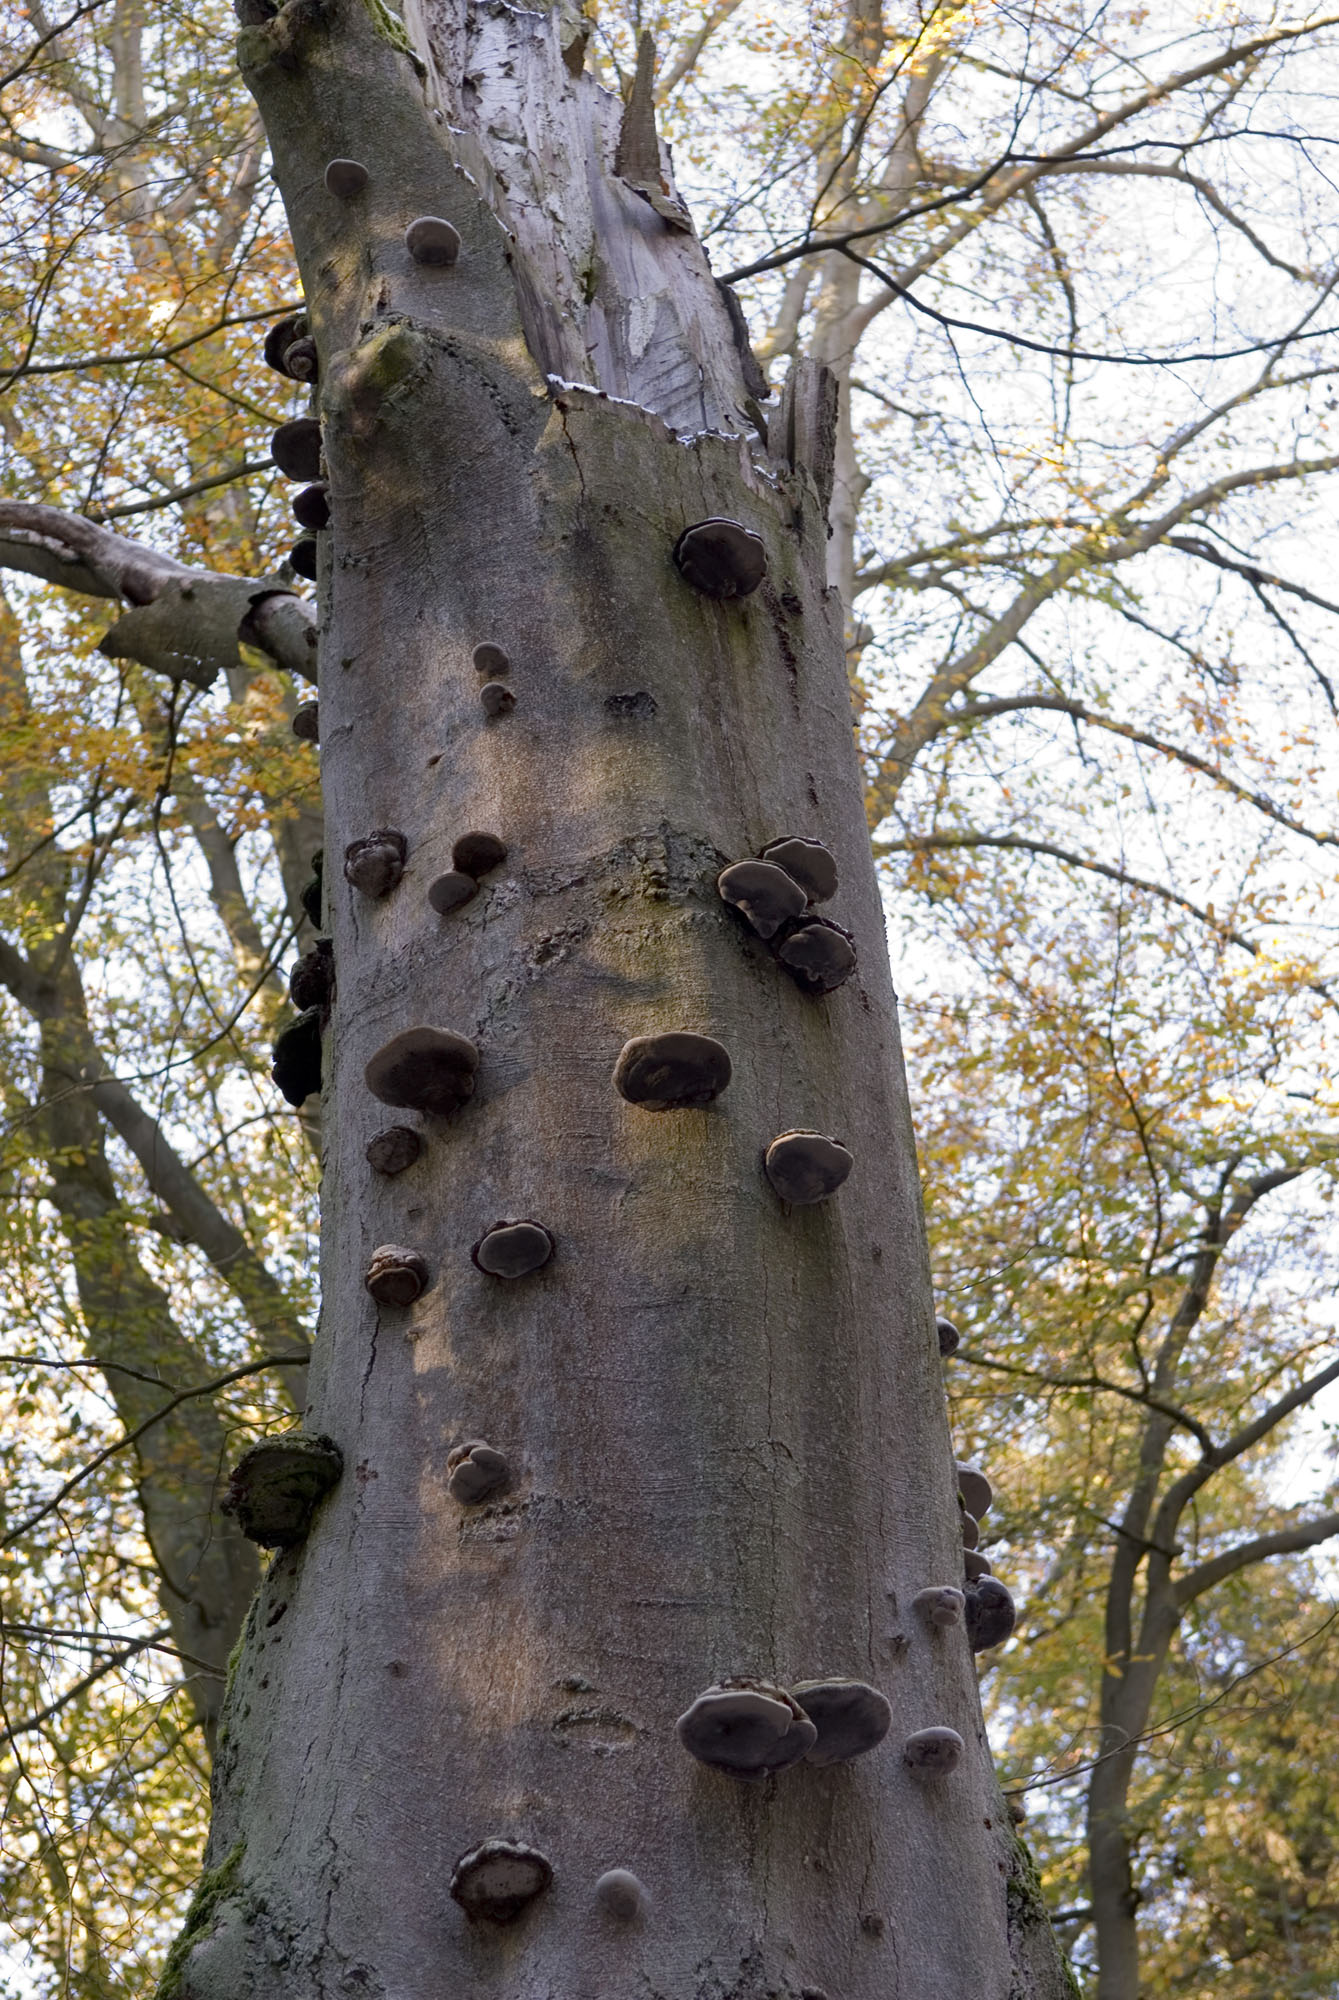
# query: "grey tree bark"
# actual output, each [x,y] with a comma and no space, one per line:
[724,1417]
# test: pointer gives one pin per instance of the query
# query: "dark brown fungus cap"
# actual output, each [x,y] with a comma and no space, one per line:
[307,722]
[302,362]
[449,891]
[721,558]
[975,1489]
[491,660]
[375,864]
[808,861]
[819,955]
[621,1895]
[805,1167]
[276,1487]
[303,561]
[990,1615]
[311,983]
[496,698]
[674,1072]
[850,1718]
[475,1470]
[933,1752]
[975,1565]
[346,178]
[424,1069]
[766,897]
[311,507]
[496,1880]
[431,239]
[971,1527]
[396,1275]
[297,1058]
[391,1151]
[281,337]
[939,1604]
[747,1728]
[311,891]
[296,449]
[513,1249]
[475,853]
[949,1337]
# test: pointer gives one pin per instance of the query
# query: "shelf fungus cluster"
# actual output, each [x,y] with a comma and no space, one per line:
[277,1485]
[751,1728]
[775,893]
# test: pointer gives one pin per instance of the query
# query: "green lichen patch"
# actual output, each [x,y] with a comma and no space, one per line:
[392,29]
[214,1888]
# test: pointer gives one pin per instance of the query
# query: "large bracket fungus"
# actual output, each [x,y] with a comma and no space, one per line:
[674,1072]
[346,178]
[850,1717]
[940,1605]
[808,862]
[297,1058]
[496,1880]
[375,864]
[391,1151]
[990,1614]
[396,1275]
[721,558]
[933,1752]
[311,507]
[296,449]
[805,1167]
[424,1069]
[748,1728]
[621,1895]
[276,1487]
[975,1489]
[766,897]
[311,983]
[818,955]
[431,239]
[474,1470]
[513,1249]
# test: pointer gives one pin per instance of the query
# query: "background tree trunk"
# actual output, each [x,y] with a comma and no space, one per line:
[725,1419]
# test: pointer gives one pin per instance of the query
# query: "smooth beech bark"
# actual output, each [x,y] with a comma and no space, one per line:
[723,1417]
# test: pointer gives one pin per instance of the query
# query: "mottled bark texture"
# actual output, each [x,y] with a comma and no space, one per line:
[724,1419]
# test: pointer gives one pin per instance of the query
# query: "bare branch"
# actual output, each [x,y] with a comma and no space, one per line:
[1282,1542]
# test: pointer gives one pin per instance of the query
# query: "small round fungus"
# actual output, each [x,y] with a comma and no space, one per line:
[396,1275]
[496,698]
[850,1718]
[513,1249]
[496,1880]
[451,890]
[346,178]
[808,861]
[747,1728]
[934,1752]
[475,1470]
[948,1336]
[297,1058]
[975,1565]
[281,337]
[621,1896]
[296,449]
[391,1151]
[721,558]
[431,239]
[375,864]
[424,1069]
[970,1526]
[475,853]
[303,561]
[311,507]
[491,660]
[805,1167]
[307,722]
[819,956]
[990,1615]
[766,897]
[276,1487]
[302,362]
[939,1604]
[311,983]
[675,1072]
[975,1489]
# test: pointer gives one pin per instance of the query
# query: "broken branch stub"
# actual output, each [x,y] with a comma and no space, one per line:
[276,1487]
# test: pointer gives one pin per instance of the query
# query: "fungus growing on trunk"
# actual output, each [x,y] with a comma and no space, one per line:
[475,1470]
[674,1072]
[496,699]
[975,1565]
[396,1275]
[391,1151]
[475,853]
[346,178]
[431,239]
[491,660]
[424,1069]
[496,1880]
[303,562]
[310,898]
[933,1752]
[969,1525]
[810,864]
[452,890]
[747,1728]
[819,955]
[301,362]
[296,449]
[806,1167]
[850,1718]
[948,1336]
[276,1487]
[766,897]
[940,1604]
[721,558]
[513,1249]
[311,507]
[975,1489]
[307,722]
[311,983]
[375,863]
[990,1614]
[281,336]
[621,1895]
[296,1058]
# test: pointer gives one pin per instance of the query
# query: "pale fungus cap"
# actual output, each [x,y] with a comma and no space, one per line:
[498,1878]
[431,239]
[672,1072]
[513,1249]
[819,956]
[375,864]
[296,449]
[474,1470]
[276,1487]
[452,891]
[391,1151]
[396,1275]
[990,1614]
[809,862]
[940,1604]
[975,1489]
[766,897]
[805,1167]
[424,1069]
[346,178]
[721,558]
[621,1895]
[934,1752]
[747,1728]
[850,1718]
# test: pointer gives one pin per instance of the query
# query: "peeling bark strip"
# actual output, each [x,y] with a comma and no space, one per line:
[453,1720]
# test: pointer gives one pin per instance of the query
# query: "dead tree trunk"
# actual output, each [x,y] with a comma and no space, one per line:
[722,1415]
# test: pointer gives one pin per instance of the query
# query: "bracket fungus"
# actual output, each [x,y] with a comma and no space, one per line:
[311,983]
[452,891]
[940,1604]
[276,1487]
[819,955]
[375,863]
[990,1614]
[303,561]
[765,896]
[933,1752]
[311,507]
[621,1895]
[307,722]
[674,1072]
[975,1489]
[850,1718]
[808,862]
[431,239]
[476,853]
[296,1055]
[805,1167]
[396,1275]
[975,1565]
[310,898]
[498,1878]
[285,333]
[721,558]
[948,1337]
[301,362]
[391,1151]
[424,1069]
[968,1523]
[346,178]
[496,699]
[296,449]
[513,1249]
[491,660]
[474,1470]
[748,1728]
